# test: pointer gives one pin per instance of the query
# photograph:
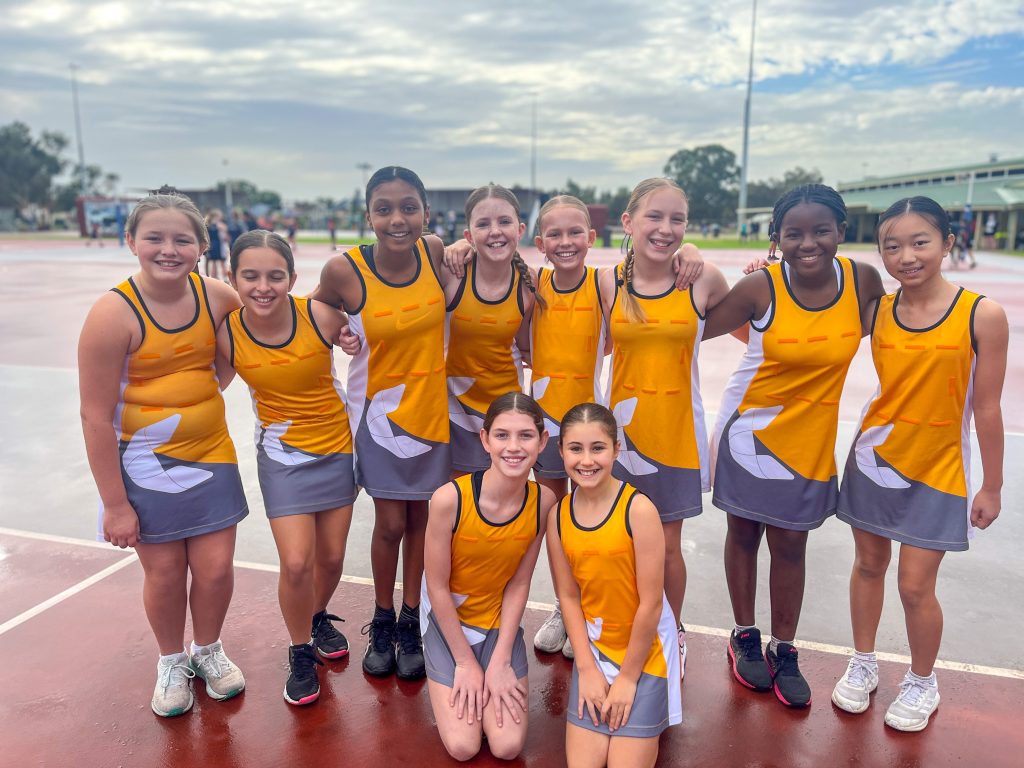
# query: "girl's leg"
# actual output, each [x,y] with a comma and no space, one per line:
[507,741]
[867,587]
[786,581]
[675,567]
[918,570]
[585,748]
[295,536]
[331,539]
[412,551]
[388,530]
[164,592]
[551,637]
[742,541]
[632,752]
[461,739]
[213,580]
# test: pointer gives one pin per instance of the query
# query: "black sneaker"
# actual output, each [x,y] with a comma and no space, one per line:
[303,686]
[409,645]
[789,685]
[379,659]
[329,642]
[748,664]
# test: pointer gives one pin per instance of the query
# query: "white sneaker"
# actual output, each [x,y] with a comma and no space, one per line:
[173,693]
[681,635]
[550,638]
[914,705]
[853,691]
[223,678]
[567,650]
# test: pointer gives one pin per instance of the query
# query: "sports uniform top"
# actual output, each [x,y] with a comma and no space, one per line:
[908,473]
[293,383]
[177,461]
[482,362]
[776,431]
[655,396]
[567,352]
[485,555]
[396,384]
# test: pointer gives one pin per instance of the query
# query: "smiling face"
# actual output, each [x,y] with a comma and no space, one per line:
[913,248]
[564,239]
[513,443]
[809,237]
[589,453]
[495,229]
[262,280]
[165,243]
[658,225]
[397,215]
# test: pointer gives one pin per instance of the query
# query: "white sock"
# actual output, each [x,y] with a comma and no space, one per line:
[929,681]
[201,649]
[773,644]
[739,628]
[174,658]
[866,657]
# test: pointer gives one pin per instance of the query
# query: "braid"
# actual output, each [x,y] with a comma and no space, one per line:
[524,274]
[630,306]
[805,193]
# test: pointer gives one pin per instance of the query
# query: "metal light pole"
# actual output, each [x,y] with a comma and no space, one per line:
[533,146]
[361,220]
[228,200]
[78,129]
[746,124]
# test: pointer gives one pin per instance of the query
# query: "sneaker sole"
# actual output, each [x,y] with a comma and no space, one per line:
[849,705]
[335,655]
[223,696]
[736,673]
[173,712]
[414,676]
[548,649]
[303,701]
[897,724]
[791,705]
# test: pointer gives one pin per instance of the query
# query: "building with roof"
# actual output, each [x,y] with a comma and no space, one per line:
[992,191]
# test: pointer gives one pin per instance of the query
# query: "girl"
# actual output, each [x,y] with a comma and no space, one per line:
[279,346]
[940,354]
[488,320]
[158,444]
[393,292]
[774,442]
[623,692]
[216,253]
[483,537]
[654,384]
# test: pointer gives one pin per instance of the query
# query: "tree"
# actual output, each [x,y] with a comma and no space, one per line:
[616,202]
[245,193]
[763,194]
[710,176]
[28,165]
[585,194]
[91,178]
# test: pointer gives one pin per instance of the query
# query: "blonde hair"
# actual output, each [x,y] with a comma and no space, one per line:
[174,201]
[480,194]
[562,201]
[630,306]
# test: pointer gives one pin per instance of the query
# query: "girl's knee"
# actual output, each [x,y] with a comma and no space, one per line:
[870,566]
[389,529]
[462,746]
[296,571]
[915,594]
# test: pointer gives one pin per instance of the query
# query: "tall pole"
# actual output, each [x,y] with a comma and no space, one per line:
[746,123]
[229,202]
[78,129]
[533,147]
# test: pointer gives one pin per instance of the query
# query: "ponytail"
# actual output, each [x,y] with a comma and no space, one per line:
[630,306]
[524,274]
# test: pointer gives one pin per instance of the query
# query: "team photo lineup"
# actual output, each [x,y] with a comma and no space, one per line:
[492,410]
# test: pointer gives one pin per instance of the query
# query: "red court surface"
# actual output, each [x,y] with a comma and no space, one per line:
[79,671]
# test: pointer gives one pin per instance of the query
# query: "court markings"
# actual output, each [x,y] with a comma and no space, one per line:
[839,650]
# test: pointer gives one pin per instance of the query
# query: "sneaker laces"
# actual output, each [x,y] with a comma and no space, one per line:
[911,692]
[215,663]
[382,634]
[857,672]
[750,647]
[326,628]
[408,637]
[556,616]
[174,674]
[304,663]
[788,665]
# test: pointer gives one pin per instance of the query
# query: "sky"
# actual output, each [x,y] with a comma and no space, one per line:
[293,96]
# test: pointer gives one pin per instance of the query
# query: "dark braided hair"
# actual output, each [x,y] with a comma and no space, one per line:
[480,194]
[924,207]
[805,193]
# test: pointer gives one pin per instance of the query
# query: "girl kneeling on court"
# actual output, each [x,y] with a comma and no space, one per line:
[483,536]
[606,547]
[281,348]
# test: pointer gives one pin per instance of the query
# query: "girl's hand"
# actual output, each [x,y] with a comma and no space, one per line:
[349,342]
[985,508]
[688,264]
[503,688]
[758,262]
[619,702]
[456,255]
[468,692]
[120,525]
[593,689]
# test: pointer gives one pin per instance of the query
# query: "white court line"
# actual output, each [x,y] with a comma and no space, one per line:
[839,650]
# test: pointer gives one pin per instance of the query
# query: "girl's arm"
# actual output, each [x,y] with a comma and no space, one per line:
[648,537]
[223,299]
[457,255]
[870,290]
[529,307]
[225,370]
[992,333]
[688,263]
[500,682]
[333,325]
[447,278]
[339,285]
[467,694]
[747,300]
[109,334]
[606,282]
[593,687]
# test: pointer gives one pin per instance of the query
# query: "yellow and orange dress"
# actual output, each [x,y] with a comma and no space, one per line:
[396,383]
[603,563]
[567,353]
[908,474]
[303,443]
[483,362]
[485,556]
[177,460]
[775,439]
[654,393]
